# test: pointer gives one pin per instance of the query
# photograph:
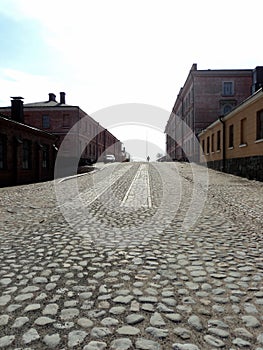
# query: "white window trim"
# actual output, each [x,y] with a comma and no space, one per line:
[242,145]
[233,85]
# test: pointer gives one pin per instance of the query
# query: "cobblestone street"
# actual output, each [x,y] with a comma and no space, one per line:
[135,266]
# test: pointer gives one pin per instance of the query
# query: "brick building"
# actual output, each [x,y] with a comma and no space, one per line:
[27,154]
[58,118]
[234,143]
[206,94]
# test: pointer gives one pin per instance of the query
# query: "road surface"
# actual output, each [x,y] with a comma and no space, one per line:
[134,256]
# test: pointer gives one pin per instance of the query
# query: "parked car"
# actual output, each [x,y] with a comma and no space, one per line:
[109,158]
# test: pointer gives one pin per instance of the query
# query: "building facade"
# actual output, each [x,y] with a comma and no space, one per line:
[206,94]
[26,154]
[234,143]
[88,137]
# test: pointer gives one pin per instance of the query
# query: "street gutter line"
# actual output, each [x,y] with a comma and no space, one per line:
[138,173]
[149,190]
[129,189]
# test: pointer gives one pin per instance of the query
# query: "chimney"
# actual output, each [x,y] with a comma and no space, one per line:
[52,97]
[62,98]
[17,109]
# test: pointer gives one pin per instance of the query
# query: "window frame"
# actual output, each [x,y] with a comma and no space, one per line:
[259,125]
[26,154]
[243,135]
[203,145]
[212,143]
[226,91]
[231,136]
[227,108]
[208,145]
[3,152]
[66,120]
[45,121]
[45,157]
[218,140]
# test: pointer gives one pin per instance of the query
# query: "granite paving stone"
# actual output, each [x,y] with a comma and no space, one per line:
[95,345]
[6,340]
[124,272]
[20,321]
[121,344]
[52,341]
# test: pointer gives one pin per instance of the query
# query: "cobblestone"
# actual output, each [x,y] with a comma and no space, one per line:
[127,274]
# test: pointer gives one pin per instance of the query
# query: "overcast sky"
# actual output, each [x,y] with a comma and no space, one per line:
[104,53]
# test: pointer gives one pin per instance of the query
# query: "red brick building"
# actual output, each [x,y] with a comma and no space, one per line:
[58,118]
[206,94]
[27,154]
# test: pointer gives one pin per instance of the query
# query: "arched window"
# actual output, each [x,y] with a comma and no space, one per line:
[227,108]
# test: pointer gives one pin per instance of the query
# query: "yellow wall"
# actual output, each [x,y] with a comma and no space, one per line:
[249,146]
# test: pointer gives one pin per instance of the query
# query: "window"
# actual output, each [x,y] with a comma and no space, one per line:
[66,120]
[2,151]
[203,145]
[227,106]
[218,140]
[228,88]
[212,142]
[208,145]
[260,125]
[227,109]
[45,157]
[45,122]
[191,96]
[26,158]
[231,136]
[243,124]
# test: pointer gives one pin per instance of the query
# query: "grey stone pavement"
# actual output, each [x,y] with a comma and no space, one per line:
[142,256]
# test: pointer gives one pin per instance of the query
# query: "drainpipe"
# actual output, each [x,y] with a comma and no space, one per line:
[196,152]
[78,138]
[223,143]
[97,143]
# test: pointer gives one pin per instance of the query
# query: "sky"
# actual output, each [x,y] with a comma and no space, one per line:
[105,53]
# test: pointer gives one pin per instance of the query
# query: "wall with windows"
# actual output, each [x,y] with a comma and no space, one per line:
[26,154]
[88,138]
[55,120]
[89,135]
[206,94]
[235,144]
[219,92]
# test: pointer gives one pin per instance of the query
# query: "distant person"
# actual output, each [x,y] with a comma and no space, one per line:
[148,159]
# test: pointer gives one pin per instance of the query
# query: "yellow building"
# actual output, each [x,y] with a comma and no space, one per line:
[234,143]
